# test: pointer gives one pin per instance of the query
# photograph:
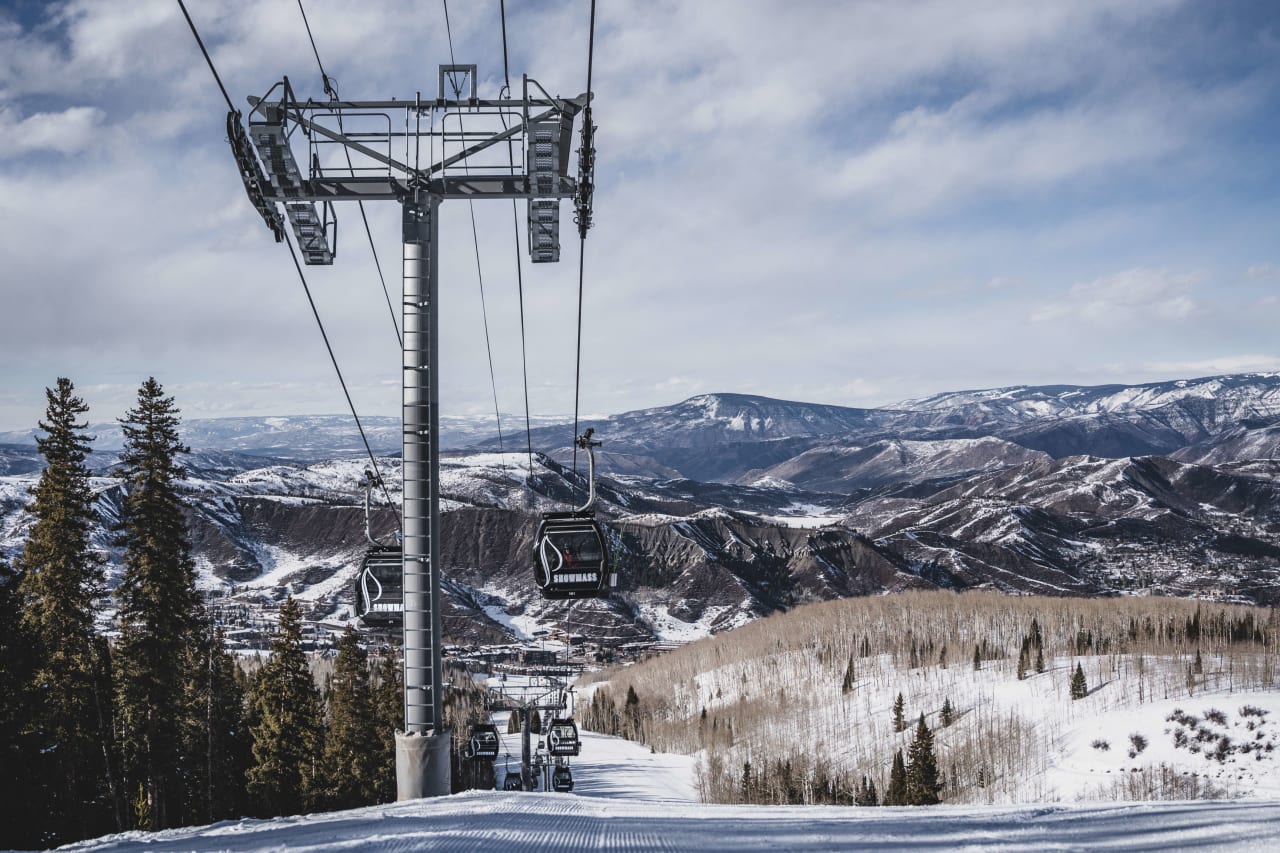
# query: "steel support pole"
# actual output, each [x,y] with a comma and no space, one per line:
[422,749]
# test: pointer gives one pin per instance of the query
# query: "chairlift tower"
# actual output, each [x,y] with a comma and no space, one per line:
[418,153]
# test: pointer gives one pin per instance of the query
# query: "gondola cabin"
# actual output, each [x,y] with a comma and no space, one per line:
[483,742]
[562,780]
[511,782]
[562,738]
[380,587]
[570,559]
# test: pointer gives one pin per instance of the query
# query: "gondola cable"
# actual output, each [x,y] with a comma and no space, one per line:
[475,237]
[515,221]
[582,246]
[331,89]
[296,263]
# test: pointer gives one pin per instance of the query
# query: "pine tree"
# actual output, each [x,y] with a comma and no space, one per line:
[1037,639]
[977,658]
[160,616]
[867,794]
[351,760]
[287,733]
[942,657]
[215,739]
[632,716]
[17,805]
[74,770]
[899,717]
[1039,659]
[948,713]
[896,793]
[1079,687]
[850,676]
[388,702]
[1198,666]
[922,768]
[1022,662]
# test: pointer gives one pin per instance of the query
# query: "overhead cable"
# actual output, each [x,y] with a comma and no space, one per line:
[331,89]
[515,221]
[475,238]
[302,277]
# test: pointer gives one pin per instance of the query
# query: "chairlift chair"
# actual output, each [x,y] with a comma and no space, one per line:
[562,738]
[511,782]
[483,742]
[562,780]
[570,553]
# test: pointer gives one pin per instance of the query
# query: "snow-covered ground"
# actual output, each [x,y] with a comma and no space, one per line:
[629,799]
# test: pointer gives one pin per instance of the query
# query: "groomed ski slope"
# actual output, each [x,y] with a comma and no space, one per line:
[628,799]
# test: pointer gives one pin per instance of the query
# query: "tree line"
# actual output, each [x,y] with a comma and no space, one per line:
[149,723]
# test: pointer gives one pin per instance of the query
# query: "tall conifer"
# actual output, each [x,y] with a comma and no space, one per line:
[896,793]
[287,732]
[61,576]
[351,749]
[159,614]
[388,700]
[1079,687]
[215,738]
[922,768]
[17,805]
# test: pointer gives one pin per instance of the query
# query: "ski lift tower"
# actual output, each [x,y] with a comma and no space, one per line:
[307,155]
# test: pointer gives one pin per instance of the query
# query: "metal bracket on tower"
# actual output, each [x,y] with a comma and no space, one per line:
[269,136]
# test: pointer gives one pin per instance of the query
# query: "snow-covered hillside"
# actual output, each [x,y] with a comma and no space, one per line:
[627,798]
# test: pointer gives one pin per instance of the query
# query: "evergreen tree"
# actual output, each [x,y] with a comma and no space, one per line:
[1039,659]
[287,733]
[977,658]
[351,760]
[388,702]
[850,676]
[17,805]
[948,714]
[1022,662]
[1079,687]
[160,615]
[922,768]
[1198,666]
[896,793]
[71,724]
[942,657]
[632,716]
[867,794]
[215,741]
[899,717]
[1037,639]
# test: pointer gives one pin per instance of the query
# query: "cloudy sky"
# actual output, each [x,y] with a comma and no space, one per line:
[842,202]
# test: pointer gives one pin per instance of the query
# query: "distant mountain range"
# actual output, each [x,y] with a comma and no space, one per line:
[727,507]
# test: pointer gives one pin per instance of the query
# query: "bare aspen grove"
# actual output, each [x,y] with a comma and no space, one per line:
[799,707]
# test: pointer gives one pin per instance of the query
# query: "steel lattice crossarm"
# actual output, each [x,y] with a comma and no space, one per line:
[371,150]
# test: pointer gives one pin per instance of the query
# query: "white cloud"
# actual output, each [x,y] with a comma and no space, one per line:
[763,172]
[66,132]
[1139,295]
[1250,363]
